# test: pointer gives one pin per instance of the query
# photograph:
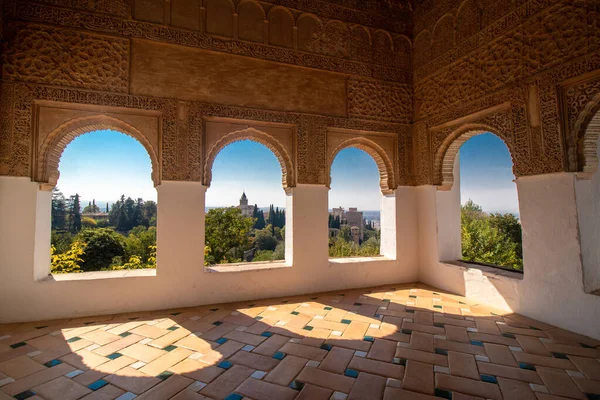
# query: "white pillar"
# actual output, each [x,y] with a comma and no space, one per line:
[43,234]
[448,219]
[399,228]
[180,228]
[552,289]
[306,232]
[587,193]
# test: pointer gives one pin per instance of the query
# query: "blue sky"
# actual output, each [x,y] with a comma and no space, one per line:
[102,165]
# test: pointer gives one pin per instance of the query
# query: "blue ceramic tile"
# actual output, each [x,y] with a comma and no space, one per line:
[328,308]
[412,296]
[97,385]
[279,355]
[173,328]
[369,339]
[592,396]
[175,313]
[17,345]
[358,304]
[462,302]
[534,328]
[560,355]
[476,343]
[443,352]
[52,363]
[251,305]
[527,366]
[438,324]
[133,318]
[285,301]
[437,306]
[234,396]
[221,340]
[509,335]
[125,334]
[399,361]
[346,321]
[294,313]
[410,310]
[24,395]
[258,318]
[267,334]
[435,293]
[488,378]
[296,385]
[314,298]
[387,300]
[444,394]
[213,309]
[114,356]
[352,373]
[308,328]
[406,331]
[163,376]
[89,323]
[225,364]
[326,346]
[41,327]
[586,346]
[172,347]
[217,323]
[378,316]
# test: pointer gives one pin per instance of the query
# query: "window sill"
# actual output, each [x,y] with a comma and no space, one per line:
[486,270]
[246,267]
[355,260]
[96,275]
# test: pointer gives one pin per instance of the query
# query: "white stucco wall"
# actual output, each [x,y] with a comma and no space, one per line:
[180,279]
[587,195]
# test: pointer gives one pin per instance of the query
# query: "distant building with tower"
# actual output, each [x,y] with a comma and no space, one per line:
[353,218]
[247,210]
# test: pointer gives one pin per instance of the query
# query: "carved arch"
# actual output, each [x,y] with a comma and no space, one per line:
[422,49]
[310,29]
[50,152]
[587,131]
[251,21]
[281,27]
[468,20]
[443,35]
[288,177]
[219,17]
[254,2]
[387,179]
[444,159]
[403,50]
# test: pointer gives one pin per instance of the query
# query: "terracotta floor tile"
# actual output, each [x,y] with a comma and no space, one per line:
[165,361]
[286,370]
[499,354]
[559,383]
[517,390]
[587,385]
[400,394]
[462,364]
[256,361]
[418,377]
[468,386]
[61,389]
[243,337]
[354,344]
[487,326]
[132,380]
[423,317]
[196,343]
[312,392]
[522,331]
[261,390]
[170,338]
[460,347]
[462,396]
[367,387]
[533,345]
[454,321]
[377,367]
[189,395]
[196,370]
[308,352]
[355,330]
[115,365]
[101,337]
[573,350]
[423,356]
[434,330]
[497,339]
[509,372]
[118,345]
[108,392]
[89,376]
[149,331]
[326,379]
[227,382]
[457,334]
[142,352]
[589,366]
[421,341]
[337,360]
[20,367]
[37,379]
[84,359]
[166,389]
[271,345]
[544,361]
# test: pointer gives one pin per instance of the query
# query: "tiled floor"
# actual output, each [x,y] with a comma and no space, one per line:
[402,342]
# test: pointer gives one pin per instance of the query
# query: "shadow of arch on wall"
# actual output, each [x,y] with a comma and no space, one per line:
[285,160]
[46,171]
[387,179]
[583,146]
[444,159]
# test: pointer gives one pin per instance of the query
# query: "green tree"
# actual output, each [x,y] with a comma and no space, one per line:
[227,234]
[67,262]
[259,215]
[101,246]
[59,210]
[88,223]
[509,225]
[279,253]
[370,247]
[74,214]
[265,240]
[341,247]
[345,233]
[263,255]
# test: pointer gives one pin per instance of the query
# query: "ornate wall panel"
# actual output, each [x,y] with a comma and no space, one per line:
[370,99]
[43,54]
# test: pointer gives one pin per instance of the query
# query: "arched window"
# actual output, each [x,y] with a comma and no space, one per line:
[490,224]
[104,210]
[354,205]
[245,205]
